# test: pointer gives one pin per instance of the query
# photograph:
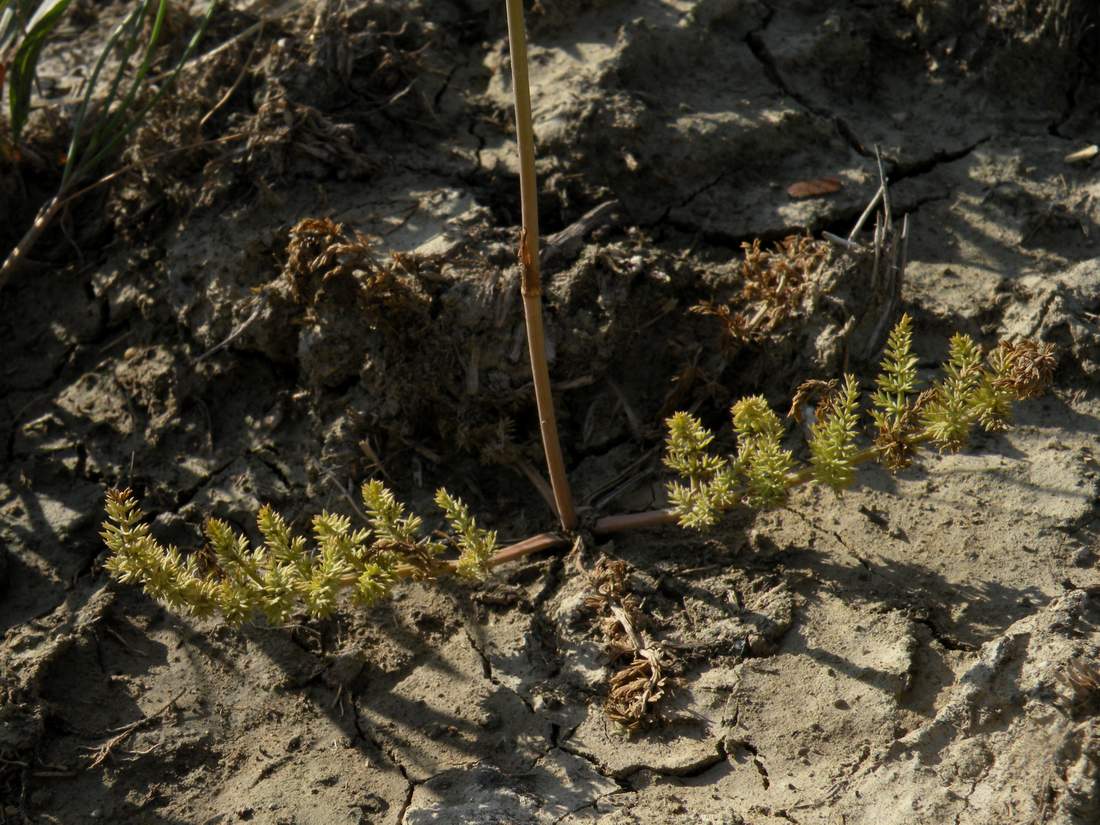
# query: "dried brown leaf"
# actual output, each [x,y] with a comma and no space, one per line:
[815,188]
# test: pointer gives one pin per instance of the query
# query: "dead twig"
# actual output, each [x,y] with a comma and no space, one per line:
[258,305]
[104,751]
[528,471]
[563,246]
[862,219]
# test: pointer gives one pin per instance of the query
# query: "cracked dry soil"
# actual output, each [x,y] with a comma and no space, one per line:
[895,655]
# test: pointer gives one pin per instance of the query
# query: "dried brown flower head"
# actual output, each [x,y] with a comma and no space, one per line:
[1028,367]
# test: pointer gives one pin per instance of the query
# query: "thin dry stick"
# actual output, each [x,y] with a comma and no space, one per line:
[884,187]
[236,83]
[904,247]
[531,281]
[527,469]
[101,753]
[45,216]
[865,215]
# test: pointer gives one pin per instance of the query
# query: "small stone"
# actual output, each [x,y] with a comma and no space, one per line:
[1083,557]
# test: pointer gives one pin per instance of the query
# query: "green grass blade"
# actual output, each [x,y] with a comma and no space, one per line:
[125,121]
[17,16]
[25,63]
[111,124]
[9,25]
[85,106]
[128,40]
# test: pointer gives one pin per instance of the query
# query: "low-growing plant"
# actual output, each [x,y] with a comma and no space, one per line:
[975,391]
[285,575]
[288,574]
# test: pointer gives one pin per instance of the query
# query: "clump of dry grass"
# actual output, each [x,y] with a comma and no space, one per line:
[321,250]
[1082,678]
[773,283]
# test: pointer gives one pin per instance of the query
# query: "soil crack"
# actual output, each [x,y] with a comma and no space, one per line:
[755,41]
[365,732]
[622,777]
[898,171]
[757,762]
[487,670]
[947,641]
[901,171]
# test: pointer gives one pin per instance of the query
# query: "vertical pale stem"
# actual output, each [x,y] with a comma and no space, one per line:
[531,284]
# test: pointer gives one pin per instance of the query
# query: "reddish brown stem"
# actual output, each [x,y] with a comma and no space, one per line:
[535,544]
[531,285]
[633,521]
[603,527]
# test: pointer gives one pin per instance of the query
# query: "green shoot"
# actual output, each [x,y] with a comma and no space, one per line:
[952,411]
[975,391]
[27,27]
[711,481]
[833,437]
[761,462]
[476,544]
[893,411]
[283,576]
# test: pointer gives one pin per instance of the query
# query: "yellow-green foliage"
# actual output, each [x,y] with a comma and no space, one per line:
[976,390]
[833,437]
[711,480]
[284,575]
[761,462]
[893,410]
[951,412]
[477,545]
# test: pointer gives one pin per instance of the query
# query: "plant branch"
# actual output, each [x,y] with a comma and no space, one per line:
[531,280]
[42,220]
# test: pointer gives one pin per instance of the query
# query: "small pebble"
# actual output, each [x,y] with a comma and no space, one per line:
[1083,557]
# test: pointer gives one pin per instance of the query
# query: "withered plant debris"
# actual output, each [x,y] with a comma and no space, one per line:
[814,188]
[773,283]
[161,172]
[103,752]
[636,687]
[286,136]
[321,250]
[806,394]
[1083,680]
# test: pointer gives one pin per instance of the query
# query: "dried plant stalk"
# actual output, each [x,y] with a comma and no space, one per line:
[531,285]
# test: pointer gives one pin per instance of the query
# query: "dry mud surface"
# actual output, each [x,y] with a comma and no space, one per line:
[893,655]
